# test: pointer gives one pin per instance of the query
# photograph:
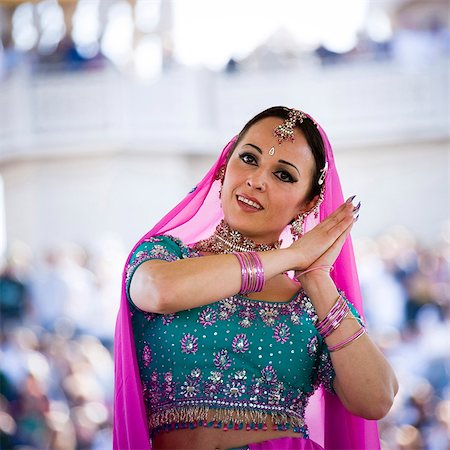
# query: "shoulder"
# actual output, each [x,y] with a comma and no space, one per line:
[161,247]
[166,247]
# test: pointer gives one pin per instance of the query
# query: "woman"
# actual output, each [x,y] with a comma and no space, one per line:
[215,333]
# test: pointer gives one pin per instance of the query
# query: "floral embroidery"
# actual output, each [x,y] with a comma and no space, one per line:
[222,360]
[240,343]
[227,308]
[153,387]
[157,251]
[281,333]
[325,372]
[168,386]
[214,386]
[313,344]
[248,316]
[167,319]
[275,394]
[269,315]
[269,375]
[213,389]
[255,391]
[295,318]
[207,317]
[146,356]
[189,344]
[149,316]
[234,388]
[308,307]
[240,375]
[216,377]
[190,387]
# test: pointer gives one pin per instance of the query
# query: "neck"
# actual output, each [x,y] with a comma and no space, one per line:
[227,240]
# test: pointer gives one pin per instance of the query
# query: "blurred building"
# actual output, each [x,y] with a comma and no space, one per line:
[87,146]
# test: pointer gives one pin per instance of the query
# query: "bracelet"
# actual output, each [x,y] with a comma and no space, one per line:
[252,272]
[333,319]
[347,341]
[314,268]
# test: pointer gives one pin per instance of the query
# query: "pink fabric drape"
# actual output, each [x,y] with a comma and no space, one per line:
[195,218]
[286,443]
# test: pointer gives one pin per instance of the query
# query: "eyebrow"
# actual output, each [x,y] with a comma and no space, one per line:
[282,161]
[289,164]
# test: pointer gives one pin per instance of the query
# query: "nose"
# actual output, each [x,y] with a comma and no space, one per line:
[256,181]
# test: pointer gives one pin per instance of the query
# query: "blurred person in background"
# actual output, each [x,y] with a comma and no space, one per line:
[14,285]
[189,367]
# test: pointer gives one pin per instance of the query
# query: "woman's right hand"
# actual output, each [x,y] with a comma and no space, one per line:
[317,241]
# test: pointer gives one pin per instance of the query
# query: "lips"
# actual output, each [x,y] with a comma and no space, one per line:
[250,202]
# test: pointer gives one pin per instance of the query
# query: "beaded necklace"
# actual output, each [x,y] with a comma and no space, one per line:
[226,240]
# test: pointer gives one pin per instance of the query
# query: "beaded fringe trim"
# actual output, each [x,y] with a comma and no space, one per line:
[236,418]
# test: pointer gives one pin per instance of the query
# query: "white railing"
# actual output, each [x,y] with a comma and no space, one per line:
[193,110]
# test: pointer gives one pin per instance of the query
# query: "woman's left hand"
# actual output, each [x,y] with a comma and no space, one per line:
[329,257]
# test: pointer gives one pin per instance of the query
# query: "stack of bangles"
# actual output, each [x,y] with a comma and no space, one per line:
[333,319]
[252,272]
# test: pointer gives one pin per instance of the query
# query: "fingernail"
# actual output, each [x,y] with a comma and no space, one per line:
[350,199]
[356,208]
[356,218]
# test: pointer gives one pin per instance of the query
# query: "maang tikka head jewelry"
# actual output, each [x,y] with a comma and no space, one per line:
[285,131]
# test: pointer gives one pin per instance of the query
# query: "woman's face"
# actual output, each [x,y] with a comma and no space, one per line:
[264,190]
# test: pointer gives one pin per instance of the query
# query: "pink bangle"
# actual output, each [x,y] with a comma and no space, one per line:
[334,318]
[335,322]
[244,273]
[347,341]
[259,272]
[338,304]
[314,268]
[252,272]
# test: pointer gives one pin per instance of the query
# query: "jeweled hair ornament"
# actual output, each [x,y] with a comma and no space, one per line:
[285,131]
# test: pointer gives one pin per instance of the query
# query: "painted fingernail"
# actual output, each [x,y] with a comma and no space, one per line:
[356,218]
[356,208]
[350,199]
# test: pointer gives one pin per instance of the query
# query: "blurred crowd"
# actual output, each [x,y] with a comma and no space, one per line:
[417,45]
[57,321]
[406,289]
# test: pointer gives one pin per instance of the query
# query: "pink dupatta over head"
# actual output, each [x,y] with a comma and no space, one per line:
[195,218]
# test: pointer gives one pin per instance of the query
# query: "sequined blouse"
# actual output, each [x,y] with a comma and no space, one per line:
[242,359]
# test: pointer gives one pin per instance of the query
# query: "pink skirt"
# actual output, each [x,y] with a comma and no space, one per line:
[285,443]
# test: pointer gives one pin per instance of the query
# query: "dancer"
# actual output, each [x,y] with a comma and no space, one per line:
[241,322]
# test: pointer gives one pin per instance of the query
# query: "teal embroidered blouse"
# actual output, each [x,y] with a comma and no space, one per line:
[243,359]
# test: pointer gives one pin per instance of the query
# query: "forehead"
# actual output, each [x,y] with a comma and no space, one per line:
[262,135]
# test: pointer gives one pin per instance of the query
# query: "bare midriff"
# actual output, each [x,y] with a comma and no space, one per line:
[202,438]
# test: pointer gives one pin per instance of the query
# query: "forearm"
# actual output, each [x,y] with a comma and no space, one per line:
[167,287]
[365,382]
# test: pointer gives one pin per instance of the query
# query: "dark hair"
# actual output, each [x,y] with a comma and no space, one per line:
[310,132]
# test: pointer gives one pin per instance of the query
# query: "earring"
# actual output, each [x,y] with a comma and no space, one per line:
[220,175]
[316,207]
[297,225]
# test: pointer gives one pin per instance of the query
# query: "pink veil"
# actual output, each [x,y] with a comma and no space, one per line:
[195,218]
